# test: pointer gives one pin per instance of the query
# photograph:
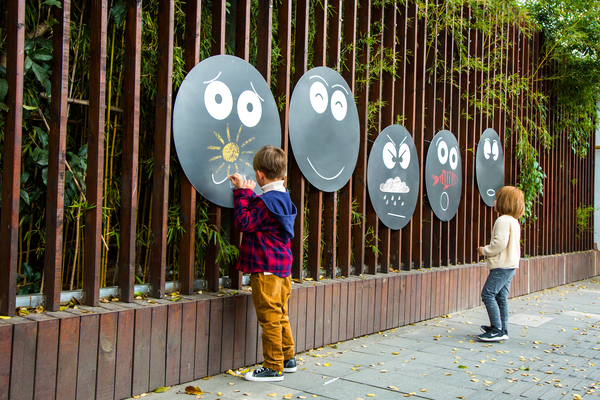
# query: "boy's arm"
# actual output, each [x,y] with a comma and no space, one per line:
[248,214]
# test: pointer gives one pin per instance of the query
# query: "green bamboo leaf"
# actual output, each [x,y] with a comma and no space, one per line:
[52,3]
[40,72]
[3,88]
[41,55]
[25,196]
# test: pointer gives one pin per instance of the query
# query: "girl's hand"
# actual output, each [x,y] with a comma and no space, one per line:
[480,251]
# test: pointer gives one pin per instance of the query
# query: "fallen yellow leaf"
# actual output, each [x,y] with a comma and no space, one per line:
[160,389]
[272,394]
[326,365]
[4,317]
[370,395]
[422,390]
[193,390]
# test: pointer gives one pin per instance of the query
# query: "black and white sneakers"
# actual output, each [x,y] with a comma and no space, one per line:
[492,334]
[264,374]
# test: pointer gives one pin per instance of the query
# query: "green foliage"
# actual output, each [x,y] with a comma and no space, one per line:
[29,280]
[571,30]
[583,215]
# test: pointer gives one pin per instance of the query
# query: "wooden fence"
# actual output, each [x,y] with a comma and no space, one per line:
[336,245]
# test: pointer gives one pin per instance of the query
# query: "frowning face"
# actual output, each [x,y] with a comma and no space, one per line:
[393,176]
[224,113]
[489,166]
[324,128]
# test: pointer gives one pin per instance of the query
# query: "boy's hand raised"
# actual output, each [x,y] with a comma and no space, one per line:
[239,182]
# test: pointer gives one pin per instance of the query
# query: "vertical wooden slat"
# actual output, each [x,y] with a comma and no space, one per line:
[330,207]
[345,194]
[6,334]
[410,81]
[56,157]
[202,333]
[45,357]
[300,338]
[11,168]
[187,257]
[264,38]
[141,350]
[188,341]
[337,309]
[284,35]
[158,347]
[228,337]
[130,145]
[124,351]
[162,147]
[95,161]
[319,305]
[107,356]
[297,184]
[87,363]
[239,340]
[23,359]
[173,347]
[215,333]
[359,177]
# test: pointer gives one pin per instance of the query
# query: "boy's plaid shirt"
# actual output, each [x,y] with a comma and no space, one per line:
[262,249]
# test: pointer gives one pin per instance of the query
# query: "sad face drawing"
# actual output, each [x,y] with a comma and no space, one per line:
[324,128]
[224,112]
[489,166]
[393,176]
[443,175]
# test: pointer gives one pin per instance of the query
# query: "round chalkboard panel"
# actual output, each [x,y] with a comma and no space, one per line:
[324,128]
[224,112]
[393,176]
[489,166]
[443,175]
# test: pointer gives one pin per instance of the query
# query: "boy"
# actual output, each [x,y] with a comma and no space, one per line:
[267,222]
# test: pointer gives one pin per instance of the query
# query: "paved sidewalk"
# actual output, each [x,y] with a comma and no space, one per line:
[552,354]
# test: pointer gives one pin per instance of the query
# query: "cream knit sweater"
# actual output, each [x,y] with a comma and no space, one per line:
[504,250]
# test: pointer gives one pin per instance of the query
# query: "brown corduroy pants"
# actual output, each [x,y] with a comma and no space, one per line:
[270,295]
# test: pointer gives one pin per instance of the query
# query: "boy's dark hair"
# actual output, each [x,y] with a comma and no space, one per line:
[510,201]
[271,161]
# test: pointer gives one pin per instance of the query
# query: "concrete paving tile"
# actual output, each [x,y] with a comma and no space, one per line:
[348,390]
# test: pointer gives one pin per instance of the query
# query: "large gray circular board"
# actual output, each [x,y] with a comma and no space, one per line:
[489,166]
[324,128]
[224,112]
[393,176]
[443,175]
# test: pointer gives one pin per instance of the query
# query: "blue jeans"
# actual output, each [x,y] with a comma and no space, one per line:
[495,296]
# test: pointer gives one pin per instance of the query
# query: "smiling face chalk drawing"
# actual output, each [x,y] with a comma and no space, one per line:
[489,166]
[224,112]
[393,176]
[443,175]
[324,128]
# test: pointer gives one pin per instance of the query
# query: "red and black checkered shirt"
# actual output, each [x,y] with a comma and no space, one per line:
[263,247]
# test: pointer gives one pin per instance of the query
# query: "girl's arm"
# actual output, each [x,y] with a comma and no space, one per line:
[501,234]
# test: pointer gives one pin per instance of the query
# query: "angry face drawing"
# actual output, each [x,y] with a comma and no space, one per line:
[224,112]
[489,166]
[393,176]
[324,128]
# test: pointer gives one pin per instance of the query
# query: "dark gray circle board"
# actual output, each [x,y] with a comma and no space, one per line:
[393,176]
[324,128]
[224,112]
[489,166]
[443,175]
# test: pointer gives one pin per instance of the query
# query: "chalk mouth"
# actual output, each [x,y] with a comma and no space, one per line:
[323,177]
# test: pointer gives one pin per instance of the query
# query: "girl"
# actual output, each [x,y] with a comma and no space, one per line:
[502,254]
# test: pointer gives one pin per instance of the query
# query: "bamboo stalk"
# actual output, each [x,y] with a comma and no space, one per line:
[77,224]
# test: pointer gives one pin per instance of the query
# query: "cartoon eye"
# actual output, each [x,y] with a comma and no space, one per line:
[453,158]
[487,149]
[404,156]
[389,155]
[249,108]
[442,152]
[318,97]
[339,106]
[495,150]
[218,100]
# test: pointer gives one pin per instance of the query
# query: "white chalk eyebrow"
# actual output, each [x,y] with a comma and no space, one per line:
[213,79]
[255,92]
[343,88]
[321,78]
